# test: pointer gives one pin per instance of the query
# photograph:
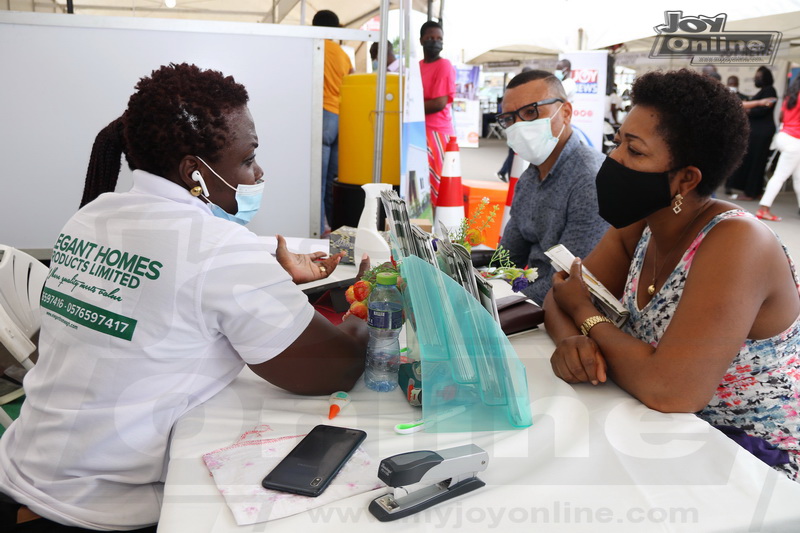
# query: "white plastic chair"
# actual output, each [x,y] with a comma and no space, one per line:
[495,131]
[608,137]
[21,281]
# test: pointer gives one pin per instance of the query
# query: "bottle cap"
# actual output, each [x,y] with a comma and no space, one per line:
[452,144]
[387,278]
[333,411]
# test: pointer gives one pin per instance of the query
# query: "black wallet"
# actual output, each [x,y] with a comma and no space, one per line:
[518,313]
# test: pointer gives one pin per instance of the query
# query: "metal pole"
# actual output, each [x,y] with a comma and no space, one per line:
[303,12]
[430,9]
[380,95]
[275,11]
[404,11]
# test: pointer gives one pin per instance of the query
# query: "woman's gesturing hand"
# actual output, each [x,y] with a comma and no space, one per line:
[306,267]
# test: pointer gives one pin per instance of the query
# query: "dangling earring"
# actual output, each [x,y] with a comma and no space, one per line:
[196,190]
[678,203]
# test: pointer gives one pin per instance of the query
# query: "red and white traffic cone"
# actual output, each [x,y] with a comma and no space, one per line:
[518,166]
[450,205]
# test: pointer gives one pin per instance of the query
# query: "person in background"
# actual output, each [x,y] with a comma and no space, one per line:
[714,325]
[564,74]
[505,171]
[337,66]
[711,72]
[749,177]
[170,296]
[613,105]
[392,63]
[438,90]
[733,86]
[788,143]
[555,200]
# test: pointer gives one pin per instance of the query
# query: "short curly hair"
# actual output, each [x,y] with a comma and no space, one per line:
[702,122]
[327,18]
[179,110]
[428,25]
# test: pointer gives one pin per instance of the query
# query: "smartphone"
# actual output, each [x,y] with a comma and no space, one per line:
[315,461]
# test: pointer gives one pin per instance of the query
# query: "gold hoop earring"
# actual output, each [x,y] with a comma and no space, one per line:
[678,203]
[196,190]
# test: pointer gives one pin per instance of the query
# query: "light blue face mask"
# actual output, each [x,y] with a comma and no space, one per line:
[248,200]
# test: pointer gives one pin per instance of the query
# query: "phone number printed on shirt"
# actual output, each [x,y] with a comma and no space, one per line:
[88,315]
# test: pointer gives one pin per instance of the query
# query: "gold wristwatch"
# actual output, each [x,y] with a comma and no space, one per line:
[591,322]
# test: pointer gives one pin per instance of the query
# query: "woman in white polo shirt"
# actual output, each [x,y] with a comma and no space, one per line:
[156,299]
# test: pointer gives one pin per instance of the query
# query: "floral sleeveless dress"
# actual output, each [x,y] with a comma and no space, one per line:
[760,392]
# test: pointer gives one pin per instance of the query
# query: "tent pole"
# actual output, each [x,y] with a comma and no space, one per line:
[403,11]
[380,95]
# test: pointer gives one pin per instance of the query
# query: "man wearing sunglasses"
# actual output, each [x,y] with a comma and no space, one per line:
[555,201]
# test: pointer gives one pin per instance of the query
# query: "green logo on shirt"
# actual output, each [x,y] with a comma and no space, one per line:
[88,315]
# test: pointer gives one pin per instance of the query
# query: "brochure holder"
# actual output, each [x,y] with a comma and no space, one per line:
[473,379]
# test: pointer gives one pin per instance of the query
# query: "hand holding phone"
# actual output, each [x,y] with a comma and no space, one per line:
[311,465]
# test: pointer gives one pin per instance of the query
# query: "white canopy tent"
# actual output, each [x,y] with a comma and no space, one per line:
[352,13]
[520,29]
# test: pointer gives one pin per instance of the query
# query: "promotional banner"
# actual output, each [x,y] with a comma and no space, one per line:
[466,106]
[588,103]
[415,183]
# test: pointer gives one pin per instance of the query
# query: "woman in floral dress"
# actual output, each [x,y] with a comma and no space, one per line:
[714,325]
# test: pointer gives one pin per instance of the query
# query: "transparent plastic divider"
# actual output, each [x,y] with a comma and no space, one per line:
[472,377]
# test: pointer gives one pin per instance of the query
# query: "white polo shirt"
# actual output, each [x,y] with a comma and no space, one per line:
[152,306]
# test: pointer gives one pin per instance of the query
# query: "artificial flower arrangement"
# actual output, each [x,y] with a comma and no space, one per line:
[519,278]
[468,234]
[470,231]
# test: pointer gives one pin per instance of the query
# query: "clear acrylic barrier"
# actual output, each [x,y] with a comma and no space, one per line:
[472,377]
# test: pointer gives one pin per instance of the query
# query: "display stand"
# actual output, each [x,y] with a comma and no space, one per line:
[473,380]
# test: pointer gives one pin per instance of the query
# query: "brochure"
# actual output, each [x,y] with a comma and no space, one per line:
[605,302]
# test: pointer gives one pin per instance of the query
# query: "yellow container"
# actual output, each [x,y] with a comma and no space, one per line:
[357,129]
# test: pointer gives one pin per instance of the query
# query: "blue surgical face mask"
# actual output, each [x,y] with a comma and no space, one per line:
[559,74]
[248,200]
[374,65]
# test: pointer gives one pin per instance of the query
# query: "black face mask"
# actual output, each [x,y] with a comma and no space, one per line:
[625,196]
[432,47]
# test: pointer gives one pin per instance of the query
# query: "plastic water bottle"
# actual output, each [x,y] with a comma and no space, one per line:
[385,318]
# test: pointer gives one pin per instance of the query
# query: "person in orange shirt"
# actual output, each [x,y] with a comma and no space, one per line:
[337,66]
